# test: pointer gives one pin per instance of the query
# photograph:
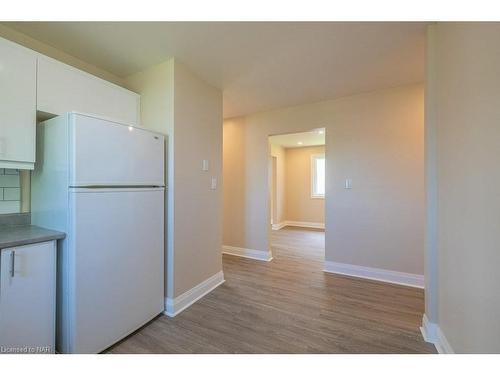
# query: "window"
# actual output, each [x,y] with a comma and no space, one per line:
[318,176]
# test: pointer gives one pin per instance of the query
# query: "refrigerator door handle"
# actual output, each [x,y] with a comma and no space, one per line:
[12,263]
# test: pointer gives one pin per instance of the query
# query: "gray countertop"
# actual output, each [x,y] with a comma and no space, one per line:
[19,235]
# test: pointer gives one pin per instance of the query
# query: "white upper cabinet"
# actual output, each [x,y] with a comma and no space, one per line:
[17,106]
[31,82]
[62,88]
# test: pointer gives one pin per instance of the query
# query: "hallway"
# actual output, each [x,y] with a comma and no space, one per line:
[289,305]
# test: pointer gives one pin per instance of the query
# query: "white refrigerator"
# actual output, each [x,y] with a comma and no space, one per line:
[102,183]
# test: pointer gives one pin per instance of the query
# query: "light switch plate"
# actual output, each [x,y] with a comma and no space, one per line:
[214,183]
[348,183]
[204,166]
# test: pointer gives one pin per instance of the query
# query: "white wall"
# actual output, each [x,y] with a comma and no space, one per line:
[176,103]
[463,98]
[377,140]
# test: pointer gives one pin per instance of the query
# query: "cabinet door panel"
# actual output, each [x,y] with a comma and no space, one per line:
[17,103]
[62,88]
[27,297]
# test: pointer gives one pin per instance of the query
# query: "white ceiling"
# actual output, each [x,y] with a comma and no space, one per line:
[315,137]
[258,65]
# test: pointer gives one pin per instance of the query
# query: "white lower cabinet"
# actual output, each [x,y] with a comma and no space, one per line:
[28,298]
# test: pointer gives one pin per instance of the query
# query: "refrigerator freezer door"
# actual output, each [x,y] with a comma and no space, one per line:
[116,254]
[105,153]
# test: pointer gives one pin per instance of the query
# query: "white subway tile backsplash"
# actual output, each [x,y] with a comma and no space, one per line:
[9,181]
[10,191]
[11,194]
[9,207]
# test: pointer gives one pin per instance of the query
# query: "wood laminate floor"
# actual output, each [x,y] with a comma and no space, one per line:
[289,305]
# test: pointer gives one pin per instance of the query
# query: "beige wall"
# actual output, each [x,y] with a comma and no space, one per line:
[465,93]
[300,206]
[234,181]
[198,209]
[175,102]
[376,139]
[24,40]
[281,204]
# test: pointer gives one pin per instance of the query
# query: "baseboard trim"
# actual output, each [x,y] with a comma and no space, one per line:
[174,306]
[393,277]
[443,346]
[431,332]
[247,253]
[428,330]
[301,224]
[278,226]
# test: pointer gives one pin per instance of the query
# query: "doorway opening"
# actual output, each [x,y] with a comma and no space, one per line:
[297,187]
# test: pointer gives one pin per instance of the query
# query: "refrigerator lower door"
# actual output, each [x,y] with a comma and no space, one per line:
[115,266]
